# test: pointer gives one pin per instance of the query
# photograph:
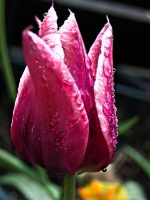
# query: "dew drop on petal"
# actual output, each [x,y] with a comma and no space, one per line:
[80,104]
[44,78]
[106,110]
[67,85]
[55,117]
[65,150]
[62,132]
[107,72]
[62,140]
[44,15]
[74,30]
[106,53]
[71,125]
[108,33]
[52,126]
[107,43]
[75,46]
[40,32]
[57,142]
[37,59]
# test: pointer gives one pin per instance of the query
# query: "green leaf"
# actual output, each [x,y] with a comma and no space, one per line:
[29,188]
[139,158]
[135,190]
[125,126]
[40,175]
[52,188]
[15,163]
[42,172]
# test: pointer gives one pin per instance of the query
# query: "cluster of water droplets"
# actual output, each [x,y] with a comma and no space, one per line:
[59,135]
[109,107]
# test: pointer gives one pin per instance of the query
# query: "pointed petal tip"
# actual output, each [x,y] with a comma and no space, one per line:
[26,31]
[70,11]
[28,28]
[52,3]
[38,21]
[107,19]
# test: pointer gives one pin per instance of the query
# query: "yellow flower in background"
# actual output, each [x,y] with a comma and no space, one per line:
[97,190]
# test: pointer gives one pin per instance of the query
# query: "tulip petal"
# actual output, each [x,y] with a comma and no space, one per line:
[48,31]
[50,117]
[102,62]
[95,50]
[97,153]
[77,60]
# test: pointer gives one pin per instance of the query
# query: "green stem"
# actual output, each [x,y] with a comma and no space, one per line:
[69,187]
[7,70]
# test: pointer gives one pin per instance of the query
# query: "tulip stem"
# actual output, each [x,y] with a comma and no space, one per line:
[69,187]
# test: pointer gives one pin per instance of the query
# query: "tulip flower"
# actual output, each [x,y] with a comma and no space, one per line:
[64,117]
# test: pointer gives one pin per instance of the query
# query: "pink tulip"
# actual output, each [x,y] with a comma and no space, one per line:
[64,117]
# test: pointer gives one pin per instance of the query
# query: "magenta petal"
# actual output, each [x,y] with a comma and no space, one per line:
[102,62]
[97,153]
[49,24]
[95,50]
[21,113]
[50,124]
[77,60]
[48,31]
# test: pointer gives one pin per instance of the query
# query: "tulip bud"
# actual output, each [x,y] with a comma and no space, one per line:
[64,117]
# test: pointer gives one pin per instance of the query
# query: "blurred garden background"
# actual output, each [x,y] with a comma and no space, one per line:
[131,29]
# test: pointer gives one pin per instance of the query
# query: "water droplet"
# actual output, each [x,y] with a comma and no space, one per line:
[55,117]
[57,142]
[71,125]
[107,72]
[74,30]
[67,85]
[107,43]
[62,140]
[106,53]
[108,33]
[65,150]
[44,15]
[108,97]
[75,46]
[52,126]
[44,78]
[104,169]
[37,59]
[80,103]
[40,32]
[62,132]
[106,110]
[114,70]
